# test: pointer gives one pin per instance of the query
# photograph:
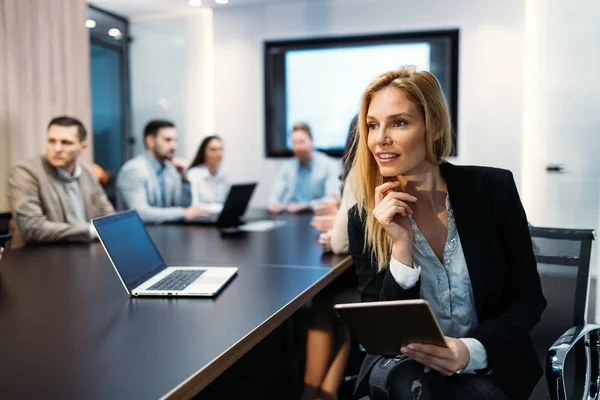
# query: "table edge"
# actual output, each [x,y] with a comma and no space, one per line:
[208,373]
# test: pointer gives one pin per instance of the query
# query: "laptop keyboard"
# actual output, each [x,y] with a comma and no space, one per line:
[177,280]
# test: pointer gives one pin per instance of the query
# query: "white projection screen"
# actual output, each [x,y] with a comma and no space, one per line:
[321,81]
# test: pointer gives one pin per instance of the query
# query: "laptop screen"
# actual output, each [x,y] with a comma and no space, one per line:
[235,204]
[130,247]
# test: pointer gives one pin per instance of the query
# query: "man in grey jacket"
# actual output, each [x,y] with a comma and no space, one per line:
[152,185]
[309,177]
[54,196]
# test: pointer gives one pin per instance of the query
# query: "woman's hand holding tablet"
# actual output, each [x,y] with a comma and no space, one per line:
[446,360]
[404,327]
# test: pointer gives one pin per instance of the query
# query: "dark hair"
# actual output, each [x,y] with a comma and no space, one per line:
[350,149]
[155,125]
[67,121]
[301,126]
[201,154]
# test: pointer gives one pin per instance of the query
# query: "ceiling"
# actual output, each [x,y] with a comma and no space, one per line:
[130,8]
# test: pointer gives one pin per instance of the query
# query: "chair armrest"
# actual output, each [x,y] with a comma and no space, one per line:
[557,354]
[559,350]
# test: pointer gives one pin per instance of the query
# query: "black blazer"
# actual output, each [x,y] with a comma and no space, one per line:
[494,234]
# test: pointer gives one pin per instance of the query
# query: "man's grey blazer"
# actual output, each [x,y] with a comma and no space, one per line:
[138,189]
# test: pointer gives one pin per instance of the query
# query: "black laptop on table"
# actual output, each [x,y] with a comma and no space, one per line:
[234,207]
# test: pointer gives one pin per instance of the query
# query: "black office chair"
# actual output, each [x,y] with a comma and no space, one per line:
[5,218]
[572,361]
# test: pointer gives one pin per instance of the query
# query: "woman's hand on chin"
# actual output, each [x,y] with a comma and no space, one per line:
[392,211]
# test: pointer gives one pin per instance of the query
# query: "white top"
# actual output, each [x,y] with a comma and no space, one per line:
[339,232]
[206,188]
[446,286]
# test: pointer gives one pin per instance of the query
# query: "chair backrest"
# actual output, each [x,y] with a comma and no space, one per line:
[563,257]
[5,222]
[568,251]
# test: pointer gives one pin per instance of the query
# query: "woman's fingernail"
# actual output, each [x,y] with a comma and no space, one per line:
[410,346]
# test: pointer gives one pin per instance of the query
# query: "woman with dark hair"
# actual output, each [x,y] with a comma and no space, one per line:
[208,182]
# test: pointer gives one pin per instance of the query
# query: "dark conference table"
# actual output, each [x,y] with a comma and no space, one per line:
[68,329]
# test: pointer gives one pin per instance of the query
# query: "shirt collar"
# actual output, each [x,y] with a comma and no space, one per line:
[66,177]
[158,166]
[307,166]
[208,175]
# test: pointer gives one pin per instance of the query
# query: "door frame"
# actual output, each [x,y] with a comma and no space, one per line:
[125,104]
[123,49]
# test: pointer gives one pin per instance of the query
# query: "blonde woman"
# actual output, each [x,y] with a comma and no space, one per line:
[455,236]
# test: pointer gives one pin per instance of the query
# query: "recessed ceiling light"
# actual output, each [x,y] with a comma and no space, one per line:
[221,1]
[90,23]
[195,3]
[114,32]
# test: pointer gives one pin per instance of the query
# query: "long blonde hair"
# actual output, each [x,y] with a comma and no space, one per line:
[424,91]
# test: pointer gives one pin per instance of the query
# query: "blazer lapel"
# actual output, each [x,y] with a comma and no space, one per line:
[59,190]
[170,187]
[152,186]
[472,218]
[293,176]
[86,191]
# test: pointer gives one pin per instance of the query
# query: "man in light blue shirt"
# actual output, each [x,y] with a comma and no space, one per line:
[152,185]
[309,177]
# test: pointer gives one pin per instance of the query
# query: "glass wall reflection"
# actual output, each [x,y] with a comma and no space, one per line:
[109,92]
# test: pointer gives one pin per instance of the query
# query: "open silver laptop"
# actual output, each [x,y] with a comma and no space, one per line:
[141,268]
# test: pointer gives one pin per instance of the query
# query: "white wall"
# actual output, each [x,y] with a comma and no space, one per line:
[171,76]
[562,122]
[491,72]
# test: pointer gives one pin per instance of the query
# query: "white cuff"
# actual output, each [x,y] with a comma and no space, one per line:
[478,355]
[404,275]
[92,232]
